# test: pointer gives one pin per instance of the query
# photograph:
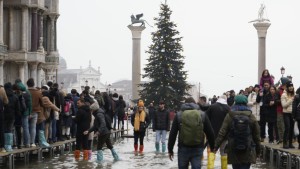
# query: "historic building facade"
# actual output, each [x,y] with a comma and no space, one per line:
[28,43]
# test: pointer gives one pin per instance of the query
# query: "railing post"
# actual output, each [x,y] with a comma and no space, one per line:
[271,157]
[11,161]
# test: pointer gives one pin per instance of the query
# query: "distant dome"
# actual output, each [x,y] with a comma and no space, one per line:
[62,64]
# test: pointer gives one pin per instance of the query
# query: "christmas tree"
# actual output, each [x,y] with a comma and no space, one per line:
[165,64]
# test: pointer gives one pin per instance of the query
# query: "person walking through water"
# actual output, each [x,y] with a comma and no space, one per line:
[103,132]
[140,121]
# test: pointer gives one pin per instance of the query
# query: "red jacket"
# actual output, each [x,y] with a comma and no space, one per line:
[279,106]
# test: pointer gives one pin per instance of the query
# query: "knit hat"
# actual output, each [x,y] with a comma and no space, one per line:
[288,84]
[140,103]
[240,99]
[284,80]
[94,106]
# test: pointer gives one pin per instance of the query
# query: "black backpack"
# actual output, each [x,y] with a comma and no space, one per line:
[241,133]
[108,121]
[22,101]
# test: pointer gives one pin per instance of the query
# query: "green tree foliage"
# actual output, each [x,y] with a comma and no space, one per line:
[167,79]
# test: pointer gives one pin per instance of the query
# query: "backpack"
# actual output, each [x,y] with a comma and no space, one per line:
[191,127]
[67,108]
[108,121]
[240,132]
[23,106]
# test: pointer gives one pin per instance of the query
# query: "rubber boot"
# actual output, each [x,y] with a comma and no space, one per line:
[8,142]
[285,145]
[99,156]
[141,148]
[42,141]
[157,147]
[163,147]
[90,154]
[135,148]
[114,154]
[77,154]
[86,155]
[223,162]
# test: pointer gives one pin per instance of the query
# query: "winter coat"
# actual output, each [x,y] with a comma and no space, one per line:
[279,106]
[48,106]
[296,105]
[121,105]
[3,95]
[230,101]
[255,107]
[13,107]
[36,96]
[266,79]
[161,120]
[286,102]
[208,130]
[270,111]
[239,157]
[83,119]
[147,120]
[91,134]
[216,114]
[67,119]
[99,123]
[28,100]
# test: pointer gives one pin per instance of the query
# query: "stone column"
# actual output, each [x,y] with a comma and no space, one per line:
[34,30]
[136,59]
[11,27]
[261,28]
[33,71]
[39,74]
[41,34]
[1,71]
[1,23]
[24,37]
[52,33]
[21,65]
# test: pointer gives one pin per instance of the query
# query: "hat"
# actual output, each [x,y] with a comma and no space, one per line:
[222,99]
[240,99]
[289,84]
[46,87]
[94,106]
[284,80]
[140,103]
[161,102]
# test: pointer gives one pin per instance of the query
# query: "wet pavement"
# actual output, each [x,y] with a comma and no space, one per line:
[129,160]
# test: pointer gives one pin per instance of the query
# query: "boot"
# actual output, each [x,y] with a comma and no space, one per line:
[114,154]
[157,147]
[99,156]
[285,145]
[141,148]
[224,162]
[291,144]
[86,155]
[77,154]
[163,147]
[8,141]
[42,141]
[90,154]
[135,148]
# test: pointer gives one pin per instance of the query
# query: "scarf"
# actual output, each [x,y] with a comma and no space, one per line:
[139,117]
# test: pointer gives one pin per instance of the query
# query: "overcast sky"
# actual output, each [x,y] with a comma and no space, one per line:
[220,46]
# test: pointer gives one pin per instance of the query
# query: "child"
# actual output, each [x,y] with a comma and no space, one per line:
[266,77]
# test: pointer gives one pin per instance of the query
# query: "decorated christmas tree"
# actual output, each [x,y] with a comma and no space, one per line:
[167,79]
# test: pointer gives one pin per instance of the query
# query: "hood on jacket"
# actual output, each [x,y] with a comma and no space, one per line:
[21,86]
[189,106]
[298,91]
[100,110]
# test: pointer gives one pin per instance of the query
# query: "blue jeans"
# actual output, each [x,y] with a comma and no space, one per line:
[25,126]
[188,155]
[241,166]
[115,120]
[32,127]
[161,136]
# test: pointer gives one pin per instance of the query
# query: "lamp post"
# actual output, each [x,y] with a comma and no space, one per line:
[282,71]
[109,85]
[86,83]
[93,90]
[290,77]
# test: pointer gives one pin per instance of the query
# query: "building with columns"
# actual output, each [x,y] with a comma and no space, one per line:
[28,43]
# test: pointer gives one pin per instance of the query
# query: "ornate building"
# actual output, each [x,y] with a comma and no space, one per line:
[28,43]
[79,78]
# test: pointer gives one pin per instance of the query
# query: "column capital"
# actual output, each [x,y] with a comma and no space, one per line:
[262,28]
[20,63]
[136,31]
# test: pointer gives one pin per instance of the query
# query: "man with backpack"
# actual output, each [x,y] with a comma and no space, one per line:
[192,124]
[243,133]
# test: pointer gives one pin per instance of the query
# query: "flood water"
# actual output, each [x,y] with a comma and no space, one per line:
[129,160]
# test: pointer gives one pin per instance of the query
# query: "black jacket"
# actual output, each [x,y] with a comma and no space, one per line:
[216,114]
[270,112]
[99,123]
[83,118]
[296,105]
[208,130]
[13,107]
[161,120]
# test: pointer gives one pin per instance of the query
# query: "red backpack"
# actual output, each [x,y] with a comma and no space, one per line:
[67,108]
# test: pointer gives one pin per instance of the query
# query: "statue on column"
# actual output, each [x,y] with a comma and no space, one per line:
[136,19]
[261,14]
